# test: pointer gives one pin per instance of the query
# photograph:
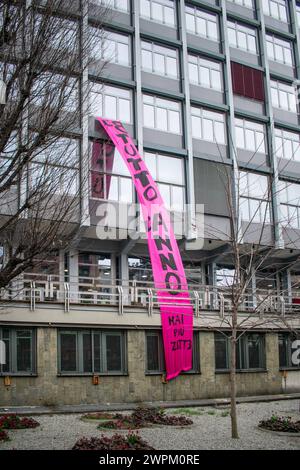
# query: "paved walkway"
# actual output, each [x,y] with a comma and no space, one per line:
[40,410]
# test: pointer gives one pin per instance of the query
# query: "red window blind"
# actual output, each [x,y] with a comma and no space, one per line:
[247,81]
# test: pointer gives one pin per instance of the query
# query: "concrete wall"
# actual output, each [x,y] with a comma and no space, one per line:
[49,389]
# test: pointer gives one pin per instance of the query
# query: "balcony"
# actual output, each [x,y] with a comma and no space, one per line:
[39,291]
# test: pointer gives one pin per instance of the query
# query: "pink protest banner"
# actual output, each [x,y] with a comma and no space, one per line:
[168,272]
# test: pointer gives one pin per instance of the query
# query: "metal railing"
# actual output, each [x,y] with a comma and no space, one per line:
[35,288]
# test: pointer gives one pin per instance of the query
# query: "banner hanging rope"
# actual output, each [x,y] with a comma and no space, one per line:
[168,272]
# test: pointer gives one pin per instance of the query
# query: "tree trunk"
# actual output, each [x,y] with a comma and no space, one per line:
[233,410]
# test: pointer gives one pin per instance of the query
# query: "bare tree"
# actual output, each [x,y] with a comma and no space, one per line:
[45,53]
[251,249]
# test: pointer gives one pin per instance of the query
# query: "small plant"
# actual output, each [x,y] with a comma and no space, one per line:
[224,414]
[116,442]
[13,421]
[3,435]
[211,412]
[144,416]
[280,423]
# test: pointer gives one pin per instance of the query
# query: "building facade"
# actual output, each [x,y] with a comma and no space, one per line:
[205,88]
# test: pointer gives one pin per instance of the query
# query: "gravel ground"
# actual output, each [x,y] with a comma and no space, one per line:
[211,430]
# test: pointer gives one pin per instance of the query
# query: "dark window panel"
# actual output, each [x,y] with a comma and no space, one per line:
[113,353]
[68,352]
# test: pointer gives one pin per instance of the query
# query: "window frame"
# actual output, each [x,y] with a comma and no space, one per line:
[196,369]
[157,105]
[259,200]
[203,114]
[242,352]
[281,87]
[166,55]
[238,27]
[286,136]
[275,41]
[13,352]
[200,62]
[267,10]
[252,126]
[164,4]
[206,16]
[105,91]
[122,334]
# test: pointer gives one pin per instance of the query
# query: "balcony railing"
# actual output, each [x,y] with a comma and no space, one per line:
[35,288]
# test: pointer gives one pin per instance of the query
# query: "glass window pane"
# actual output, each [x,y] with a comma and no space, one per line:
[172,67]
[250,139]
[174,122]
[124,110]
[193,73]
[110,107]
[153,353]
[123,54]
[159,64]
[113,353]
[126,194]
[24,351]
[157,11]
[221,358]
[239,134]
[169,16]
[112,190]
[148,115]
[147,60]
[68,352]
[204,76]
[208,133]
[87,352]
[162,119]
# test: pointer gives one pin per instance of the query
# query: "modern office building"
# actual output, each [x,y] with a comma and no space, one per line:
[206,88]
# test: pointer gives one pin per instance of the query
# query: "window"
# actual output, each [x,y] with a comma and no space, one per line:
[204,72]
[55,91]
[111,47]
[155,354]
[162,114]
[91,351]
[286,350]
[111,102]
[244,3]
[254,197]
[275,8]
[287,144]
[57,164]
[93,266]
[242,37]
[289,195]
[159,59]
[170,183]
[161,11]
[250,351]
[250,135]
[247,81]
[140,269]
[65,35]
[20,350]
[121,5]
[225,276]
[279,50]
[110,177]
[283,96]
[202,23]
[208,125]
